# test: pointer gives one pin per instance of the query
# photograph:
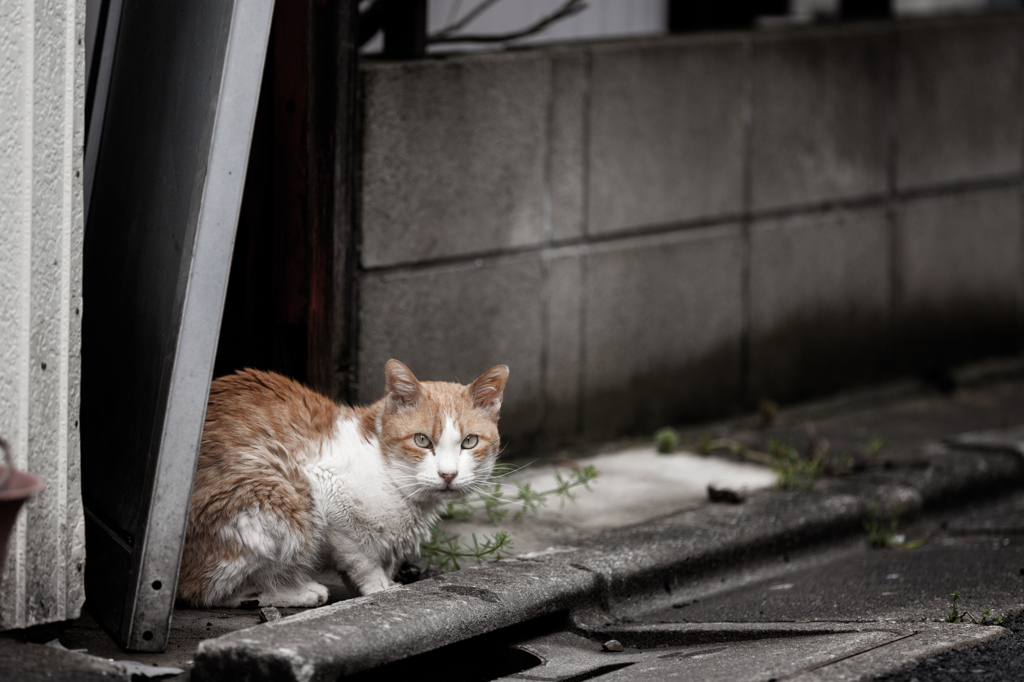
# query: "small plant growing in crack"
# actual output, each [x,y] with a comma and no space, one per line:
[882,530]
[666,440]
[873,446]
[795,472]
[448,551]
[955,615]
[493,502]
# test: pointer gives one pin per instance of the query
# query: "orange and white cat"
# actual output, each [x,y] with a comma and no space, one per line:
[290,485]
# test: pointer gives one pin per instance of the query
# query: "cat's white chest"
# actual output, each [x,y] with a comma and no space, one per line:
[356,496]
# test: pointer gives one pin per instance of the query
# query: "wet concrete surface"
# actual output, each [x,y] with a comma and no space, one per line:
[632,486]
[979,552]
[805,653]
[1001,660]
[903,418]
[870,585]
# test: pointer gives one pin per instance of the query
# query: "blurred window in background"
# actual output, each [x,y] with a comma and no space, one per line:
[612,19]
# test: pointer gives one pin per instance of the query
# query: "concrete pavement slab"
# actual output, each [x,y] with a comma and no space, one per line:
[736,651]
[632,486]
[359,634]
[1004,440]
[32,662]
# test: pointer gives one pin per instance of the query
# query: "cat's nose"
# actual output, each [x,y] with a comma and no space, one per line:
[448,478]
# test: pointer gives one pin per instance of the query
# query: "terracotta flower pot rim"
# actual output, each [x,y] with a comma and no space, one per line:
[14,484]
[21,486]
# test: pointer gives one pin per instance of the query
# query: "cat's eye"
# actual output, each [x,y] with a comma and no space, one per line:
[421,440]
[470,442]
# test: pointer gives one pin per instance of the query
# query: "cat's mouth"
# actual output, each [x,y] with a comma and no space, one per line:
[451,492]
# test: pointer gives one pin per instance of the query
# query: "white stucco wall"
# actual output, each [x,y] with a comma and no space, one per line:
[41,229]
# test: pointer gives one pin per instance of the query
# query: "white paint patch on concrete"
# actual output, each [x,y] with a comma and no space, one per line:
[632,486]
[41,229]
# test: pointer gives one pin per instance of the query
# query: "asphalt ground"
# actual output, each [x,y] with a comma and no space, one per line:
[860,583]
[1001,660]
[842,601]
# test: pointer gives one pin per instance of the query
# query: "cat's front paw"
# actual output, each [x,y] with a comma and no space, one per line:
[377,584]
[320,594]
[307,595]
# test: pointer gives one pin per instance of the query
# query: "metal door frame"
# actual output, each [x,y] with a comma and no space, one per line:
[131,581]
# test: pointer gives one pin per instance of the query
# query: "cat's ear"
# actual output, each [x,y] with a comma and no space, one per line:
[488,389]
[401,388]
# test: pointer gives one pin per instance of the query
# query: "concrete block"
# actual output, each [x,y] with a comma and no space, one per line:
[568,113]
[819,296]
[662,321]
[453,156]
[960,101]
[666,132]
[562,365]
[335,641]
[959,268]
[452,323]
[820,116]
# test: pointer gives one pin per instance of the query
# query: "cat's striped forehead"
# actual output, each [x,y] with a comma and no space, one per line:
[444,410]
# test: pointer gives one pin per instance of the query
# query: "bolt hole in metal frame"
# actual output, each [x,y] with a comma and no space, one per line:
[173,98]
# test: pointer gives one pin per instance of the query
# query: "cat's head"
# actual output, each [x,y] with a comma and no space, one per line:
[440,438]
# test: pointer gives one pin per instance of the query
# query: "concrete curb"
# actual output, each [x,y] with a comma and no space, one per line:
[610,569]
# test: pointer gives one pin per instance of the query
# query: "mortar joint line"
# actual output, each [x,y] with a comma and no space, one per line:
[579,402]
[680,227]
[549,141]
[892,163]
[746,295]
[1020,250]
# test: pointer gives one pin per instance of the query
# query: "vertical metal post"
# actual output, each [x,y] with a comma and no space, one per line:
[865,9]
[405,29]
[184,83]
[702,15]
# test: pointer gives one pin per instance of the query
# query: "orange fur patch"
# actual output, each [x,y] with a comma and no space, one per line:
[260,428]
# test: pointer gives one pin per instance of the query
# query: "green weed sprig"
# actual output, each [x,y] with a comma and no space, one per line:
[496,505]
[666,440]
[447,550]
[882,532]
[954,615]
[794,470]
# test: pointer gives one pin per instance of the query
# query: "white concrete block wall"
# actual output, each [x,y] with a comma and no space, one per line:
[41,229]
[720,218]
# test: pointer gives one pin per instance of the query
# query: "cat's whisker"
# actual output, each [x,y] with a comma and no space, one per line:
[408,485]
[420,488]
[512,471]
[416,492]
[484,493]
